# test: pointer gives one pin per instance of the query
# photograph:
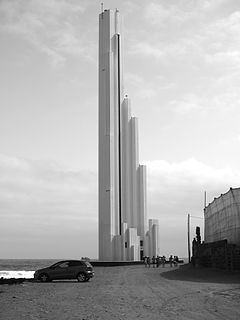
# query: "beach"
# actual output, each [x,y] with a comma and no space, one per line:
[128,292]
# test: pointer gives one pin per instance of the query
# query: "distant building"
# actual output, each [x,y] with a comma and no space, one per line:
[123,230]
[222,218]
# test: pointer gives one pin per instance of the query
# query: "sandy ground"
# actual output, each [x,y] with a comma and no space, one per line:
[130,292]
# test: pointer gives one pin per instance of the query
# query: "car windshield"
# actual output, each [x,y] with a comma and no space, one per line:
[54,265]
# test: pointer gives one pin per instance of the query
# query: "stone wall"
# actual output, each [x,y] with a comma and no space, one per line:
[218,254]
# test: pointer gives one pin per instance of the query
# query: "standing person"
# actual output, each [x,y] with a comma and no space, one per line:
[148,262]
[153,261]
[175,260]
[163,261]
[171,260]
[145,261]
[158,261]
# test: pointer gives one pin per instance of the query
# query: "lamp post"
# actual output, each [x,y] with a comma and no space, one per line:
[188,230]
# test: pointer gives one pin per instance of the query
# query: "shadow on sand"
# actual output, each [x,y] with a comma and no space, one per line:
[199,274]
[21,280]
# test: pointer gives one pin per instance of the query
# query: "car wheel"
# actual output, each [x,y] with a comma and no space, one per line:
[81,277]
[43,277]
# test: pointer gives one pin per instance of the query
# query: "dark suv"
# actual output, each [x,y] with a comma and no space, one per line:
[68,269]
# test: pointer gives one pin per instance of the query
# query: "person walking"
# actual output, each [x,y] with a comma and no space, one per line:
[171,260]
[148,262]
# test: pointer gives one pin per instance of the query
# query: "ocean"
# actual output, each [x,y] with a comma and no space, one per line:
[23,268]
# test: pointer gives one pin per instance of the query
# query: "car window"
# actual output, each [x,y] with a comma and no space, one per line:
[63,264]
[75,263]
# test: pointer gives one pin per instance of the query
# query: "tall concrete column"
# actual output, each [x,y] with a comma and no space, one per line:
[122,182]
[142,200]
[134,163]
[126,163]
[110,96]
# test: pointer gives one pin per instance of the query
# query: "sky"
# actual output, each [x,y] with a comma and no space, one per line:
[182,74]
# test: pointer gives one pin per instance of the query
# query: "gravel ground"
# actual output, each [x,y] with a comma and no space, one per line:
[129,292]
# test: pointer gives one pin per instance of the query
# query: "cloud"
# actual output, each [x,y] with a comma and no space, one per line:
[53,27]
[143,89]
[159,13]
[179,13]
[177,189]
[222,103]
[46,183]
[189,173]
[238,138]
[203,33]
[147,49]
[189,104]
[45,204]
[223,39]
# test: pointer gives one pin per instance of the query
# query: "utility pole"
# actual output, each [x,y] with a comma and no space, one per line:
[188,228]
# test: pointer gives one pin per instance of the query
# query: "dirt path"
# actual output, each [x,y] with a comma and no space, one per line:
[130,292]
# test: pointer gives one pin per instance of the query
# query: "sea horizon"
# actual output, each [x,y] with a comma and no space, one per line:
[25,268]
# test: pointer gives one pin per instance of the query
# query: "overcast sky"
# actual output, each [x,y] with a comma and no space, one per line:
[182,73]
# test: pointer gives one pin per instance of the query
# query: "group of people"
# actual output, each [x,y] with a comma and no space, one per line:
[158,260]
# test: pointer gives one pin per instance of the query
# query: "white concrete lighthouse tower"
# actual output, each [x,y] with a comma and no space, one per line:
[123,233]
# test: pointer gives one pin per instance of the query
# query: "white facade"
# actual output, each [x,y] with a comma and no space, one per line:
[122,181]
[222,218]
